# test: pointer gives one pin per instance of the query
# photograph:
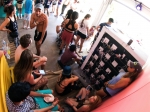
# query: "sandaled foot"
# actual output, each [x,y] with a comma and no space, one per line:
[80,51]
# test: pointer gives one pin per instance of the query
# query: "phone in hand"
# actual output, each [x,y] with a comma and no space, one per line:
[89,88]
[42,72]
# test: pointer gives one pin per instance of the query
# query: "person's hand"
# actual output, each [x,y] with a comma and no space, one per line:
[69,102]
[8,31]
[46,95]
[106,83]
[41,19]
[55,102]
[39,42]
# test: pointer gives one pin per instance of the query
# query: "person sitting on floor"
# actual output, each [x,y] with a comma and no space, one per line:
[84,93]
[19,98]
[23,71]
[84,105]
[69,57]
[25,42]
[65,81]
[121,81]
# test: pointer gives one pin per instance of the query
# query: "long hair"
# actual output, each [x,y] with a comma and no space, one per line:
[85,17]
[131,75]
[24,65]
[69,13]
[96,103]
[74,16]
[8,9]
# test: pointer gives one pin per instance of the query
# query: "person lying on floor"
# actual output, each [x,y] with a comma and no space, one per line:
[121,81]
[84,105]
[65,81]
[25,42]
[19,98]
[23,71]
[69,57]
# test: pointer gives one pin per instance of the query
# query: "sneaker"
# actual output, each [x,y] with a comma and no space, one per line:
[28,28]
[60,14]
[24,27]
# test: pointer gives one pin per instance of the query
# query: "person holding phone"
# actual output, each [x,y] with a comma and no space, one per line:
[84,93]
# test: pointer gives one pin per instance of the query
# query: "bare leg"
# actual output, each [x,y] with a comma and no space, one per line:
[77,39]
[101,93]
[47,11]
[82,93]
[28,22]
[38,48]
[24,22]
[58,29]
[81,44]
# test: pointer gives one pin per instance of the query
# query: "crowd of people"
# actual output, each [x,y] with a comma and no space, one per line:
[22,95]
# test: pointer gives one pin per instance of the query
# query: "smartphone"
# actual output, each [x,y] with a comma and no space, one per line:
[89,88]
[42,72]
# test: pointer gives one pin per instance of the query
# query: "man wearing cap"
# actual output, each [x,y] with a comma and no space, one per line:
[121,81]
[40,21]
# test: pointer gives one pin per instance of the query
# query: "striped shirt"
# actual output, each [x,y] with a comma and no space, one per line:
[28,105]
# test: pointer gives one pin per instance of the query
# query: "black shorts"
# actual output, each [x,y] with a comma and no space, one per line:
[104,89]
[38,35]
[83,36]
[46,6]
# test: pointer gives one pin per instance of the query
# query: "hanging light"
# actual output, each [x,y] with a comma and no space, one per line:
[139,7]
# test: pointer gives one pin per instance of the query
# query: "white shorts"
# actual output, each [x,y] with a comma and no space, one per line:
[19,6]
[27,17]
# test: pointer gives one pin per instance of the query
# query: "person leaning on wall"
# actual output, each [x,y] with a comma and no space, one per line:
[121,81]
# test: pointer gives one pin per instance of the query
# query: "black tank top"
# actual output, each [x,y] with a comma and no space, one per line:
[12,25]
[70,23]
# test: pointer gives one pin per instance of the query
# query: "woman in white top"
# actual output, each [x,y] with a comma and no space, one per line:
[83,30]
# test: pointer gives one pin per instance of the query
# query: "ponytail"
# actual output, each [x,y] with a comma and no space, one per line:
[85,17]
[8,9]
[82,23]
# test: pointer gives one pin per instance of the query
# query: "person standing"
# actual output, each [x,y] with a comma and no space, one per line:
[65,4]
[70,25]
[19,6]
[10,24]
[28,10]
[83,31]
[58,6]
[40,21]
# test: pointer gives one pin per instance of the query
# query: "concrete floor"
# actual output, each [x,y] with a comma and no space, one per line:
[48,49]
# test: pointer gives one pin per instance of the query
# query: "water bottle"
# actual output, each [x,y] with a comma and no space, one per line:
[4,47]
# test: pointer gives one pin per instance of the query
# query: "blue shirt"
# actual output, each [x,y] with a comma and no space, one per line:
[28,6]
[114,80]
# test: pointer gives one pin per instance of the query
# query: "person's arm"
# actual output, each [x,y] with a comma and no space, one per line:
[4,24]
[33,6]
[123,82]
[33,94]
[73,78]
[34,81]
[32,22]
[36,56]
[47,108]
[84,108]
[44,29]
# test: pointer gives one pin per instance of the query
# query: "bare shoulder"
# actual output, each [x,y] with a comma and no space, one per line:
[127,80]
[84,108]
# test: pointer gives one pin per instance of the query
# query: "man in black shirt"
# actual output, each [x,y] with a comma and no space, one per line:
[110,21]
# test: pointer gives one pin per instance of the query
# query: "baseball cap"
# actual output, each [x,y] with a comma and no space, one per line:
[66,71]
[39,6]
[136,65]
